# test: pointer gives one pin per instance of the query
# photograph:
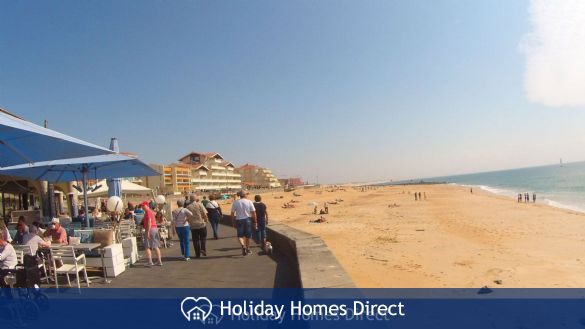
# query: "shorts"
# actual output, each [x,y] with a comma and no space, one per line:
[244,227]
[152,241]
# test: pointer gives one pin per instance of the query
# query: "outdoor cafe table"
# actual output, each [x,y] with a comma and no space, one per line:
[79,246]
[88,247]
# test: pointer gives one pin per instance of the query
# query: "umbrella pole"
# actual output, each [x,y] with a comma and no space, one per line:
[84,178]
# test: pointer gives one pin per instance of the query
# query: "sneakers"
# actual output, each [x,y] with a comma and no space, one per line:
[187,259]
[150,264]
[159,264]
[248,251]
[244,252]
[204,253]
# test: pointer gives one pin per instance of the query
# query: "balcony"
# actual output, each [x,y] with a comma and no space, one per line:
[203,180]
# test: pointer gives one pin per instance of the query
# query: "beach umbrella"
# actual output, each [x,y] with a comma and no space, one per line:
[93,167]
[114,184]
[24,142]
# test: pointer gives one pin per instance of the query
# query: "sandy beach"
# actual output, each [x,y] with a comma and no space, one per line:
[451,239]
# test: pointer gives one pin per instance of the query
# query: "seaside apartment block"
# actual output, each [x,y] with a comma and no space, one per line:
[257,177]
[195,171]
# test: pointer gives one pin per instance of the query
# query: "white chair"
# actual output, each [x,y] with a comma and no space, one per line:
[70,264]
[22,250]
[125,229]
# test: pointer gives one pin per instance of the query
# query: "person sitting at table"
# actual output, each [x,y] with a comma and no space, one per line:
[138,210]
[4,231]
[96,213]
[56,232]
[21,230]
[80,217]
[129,214]
[160,218]
[8,259]
[33,240]
[139,213]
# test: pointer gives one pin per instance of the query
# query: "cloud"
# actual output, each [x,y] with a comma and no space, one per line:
[555,53]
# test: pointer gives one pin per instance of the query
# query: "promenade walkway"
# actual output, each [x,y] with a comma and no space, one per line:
[224,267]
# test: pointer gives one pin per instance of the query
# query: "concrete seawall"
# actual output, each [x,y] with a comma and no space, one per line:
[308,256]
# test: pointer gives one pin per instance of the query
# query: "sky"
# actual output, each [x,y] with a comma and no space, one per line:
[333,91]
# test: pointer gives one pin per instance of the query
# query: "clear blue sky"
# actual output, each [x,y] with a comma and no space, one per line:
[342,90]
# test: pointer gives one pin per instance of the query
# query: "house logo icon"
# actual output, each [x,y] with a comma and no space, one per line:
[198,309]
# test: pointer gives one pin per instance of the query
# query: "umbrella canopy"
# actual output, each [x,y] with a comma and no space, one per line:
[114,184]
[126,187]
[24,142]
[67,170]
[95,167]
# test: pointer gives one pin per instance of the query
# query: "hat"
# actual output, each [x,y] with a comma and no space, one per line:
[55,220]
[241,193]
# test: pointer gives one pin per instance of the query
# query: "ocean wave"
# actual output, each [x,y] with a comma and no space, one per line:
[514,194]
[499,191]
[560,205]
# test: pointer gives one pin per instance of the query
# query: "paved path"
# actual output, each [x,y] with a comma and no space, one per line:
[224,267]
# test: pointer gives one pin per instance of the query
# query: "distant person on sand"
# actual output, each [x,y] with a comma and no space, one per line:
[243,214]
[519,197]
[471,190]
[534,197]
[415,196]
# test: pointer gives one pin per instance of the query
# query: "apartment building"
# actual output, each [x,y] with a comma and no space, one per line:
[196,172]
[257,177]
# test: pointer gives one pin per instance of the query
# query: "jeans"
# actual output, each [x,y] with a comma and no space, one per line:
[260,233]
[199,237]
[183,234]
[214,226]
[244,227]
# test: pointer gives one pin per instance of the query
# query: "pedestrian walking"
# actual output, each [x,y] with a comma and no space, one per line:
[198,225]
[262,220]
[214,214]
[152,238]
[534,197]
[181,224]
[243,216]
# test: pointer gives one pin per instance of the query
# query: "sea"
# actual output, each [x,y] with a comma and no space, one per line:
[561,186]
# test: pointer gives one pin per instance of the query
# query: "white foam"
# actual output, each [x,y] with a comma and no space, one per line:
[557,204]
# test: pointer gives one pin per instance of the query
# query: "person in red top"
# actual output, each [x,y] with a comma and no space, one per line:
[151,236]
[56,232]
